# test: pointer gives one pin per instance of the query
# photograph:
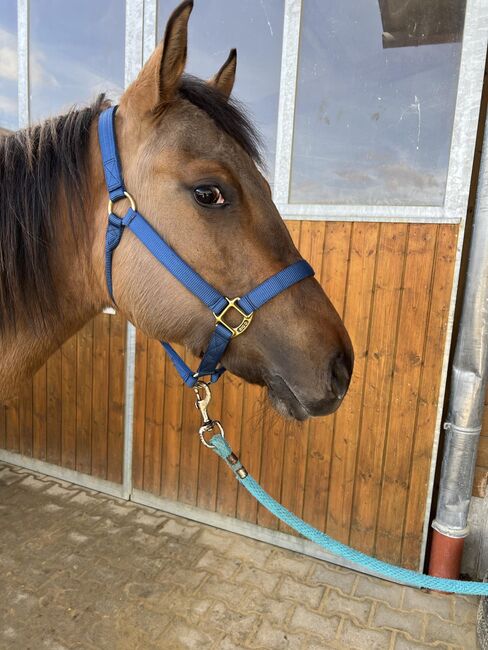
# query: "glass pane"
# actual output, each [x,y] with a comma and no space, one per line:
[375,101]
[255,28]
[76,52]
[8,66]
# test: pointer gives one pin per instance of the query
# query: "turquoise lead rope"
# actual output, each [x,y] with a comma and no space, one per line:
[398,574]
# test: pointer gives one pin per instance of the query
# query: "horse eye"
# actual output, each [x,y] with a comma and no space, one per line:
[208,195]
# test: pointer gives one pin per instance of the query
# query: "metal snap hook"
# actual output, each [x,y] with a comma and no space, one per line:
[207,428]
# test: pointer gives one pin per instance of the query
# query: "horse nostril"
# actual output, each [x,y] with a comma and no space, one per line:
[340,375]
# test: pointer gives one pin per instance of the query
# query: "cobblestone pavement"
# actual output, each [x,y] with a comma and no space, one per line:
[79,569]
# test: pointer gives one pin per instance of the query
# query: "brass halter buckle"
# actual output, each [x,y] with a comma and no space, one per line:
[243,325]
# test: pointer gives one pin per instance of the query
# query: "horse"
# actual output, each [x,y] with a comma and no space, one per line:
[192,159]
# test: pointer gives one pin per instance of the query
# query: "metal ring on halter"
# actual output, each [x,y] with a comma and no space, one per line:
[209,426]
[128,196]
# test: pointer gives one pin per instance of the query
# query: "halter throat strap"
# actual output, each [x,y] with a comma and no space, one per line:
[245,306]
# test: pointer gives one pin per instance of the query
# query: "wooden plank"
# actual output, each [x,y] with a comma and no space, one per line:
[482,459]
[53,415]
[3,426]
[333,278]
[190,445]
[173,416]
[311,246]
[100,394]
[12,425]
[364,238]
[253,411]
[68,403]
[429,395]
[272,451]
[84,363]
[410,356]
[378,381]
[140,381]
[480,482]
[209,466]
[25,418]
[274,437]
[232,408]
[116,405]
[39,408]
[484,428]
[154,417]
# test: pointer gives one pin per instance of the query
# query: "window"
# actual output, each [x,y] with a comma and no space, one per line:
[76,52]
[375,101]
[8,66]
[255,28]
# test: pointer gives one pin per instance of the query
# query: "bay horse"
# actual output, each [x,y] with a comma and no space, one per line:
[192,158]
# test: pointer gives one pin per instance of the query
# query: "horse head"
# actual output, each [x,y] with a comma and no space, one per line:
[190,159]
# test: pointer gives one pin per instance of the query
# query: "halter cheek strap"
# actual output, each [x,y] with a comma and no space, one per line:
[213,299]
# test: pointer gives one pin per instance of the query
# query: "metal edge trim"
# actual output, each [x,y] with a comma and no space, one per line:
[134,20]
[466,115]
[62,473]
[286,103]
[474,38]
[253,531]
[150,28]
[373,213]
[23,63]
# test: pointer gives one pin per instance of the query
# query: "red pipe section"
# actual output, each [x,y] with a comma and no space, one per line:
[445,556]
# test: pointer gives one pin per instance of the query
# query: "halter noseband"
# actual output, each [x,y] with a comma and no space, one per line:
[215,301]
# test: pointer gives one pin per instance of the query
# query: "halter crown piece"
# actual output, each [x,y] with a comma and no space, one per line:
[210,364]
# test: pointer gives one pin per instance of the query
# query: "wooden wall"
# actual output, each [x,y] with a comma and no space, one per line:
[362,474]
[71,413]
[481,472]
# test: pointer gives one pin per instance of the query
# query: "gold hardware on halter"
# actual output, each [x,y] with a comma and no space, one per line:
[207,428]
[203,394]
[243,325]
[128,196]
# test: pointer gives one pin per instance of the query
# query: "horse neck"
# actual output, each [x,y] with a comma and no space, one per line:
[80,294]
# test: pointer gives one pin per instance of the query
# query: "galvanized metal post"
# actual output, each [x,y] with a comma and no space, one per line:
[469,378]
[134,18]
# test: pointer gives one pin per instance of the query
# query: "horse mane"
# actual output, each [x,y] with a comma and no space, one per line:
[48,161]
[228,114]
[38,165]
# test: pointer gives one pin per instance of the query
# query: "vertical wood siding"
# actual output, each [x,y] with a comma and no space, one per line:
[481,472]
[71,413]
[362,474]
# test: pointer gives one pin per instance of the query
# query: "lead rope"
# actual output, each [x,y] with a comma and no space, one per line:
[222,448]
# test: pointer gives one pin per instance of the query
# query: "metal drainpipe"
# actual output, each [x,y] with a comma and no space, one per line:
[468,387]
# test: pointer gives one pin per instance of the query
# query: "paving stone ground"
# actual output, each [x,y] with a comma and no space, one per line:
[81,570]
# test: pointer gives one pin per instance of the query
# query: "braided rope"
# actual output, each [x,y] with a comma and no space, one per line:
[398,574]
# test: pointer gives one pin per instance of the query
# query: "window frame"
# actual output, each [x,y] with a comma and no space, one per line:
[462,143]
[141,34]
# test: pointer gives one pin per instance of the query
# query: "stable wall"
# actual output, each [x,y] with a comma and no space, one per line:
[71,413]
[363,474]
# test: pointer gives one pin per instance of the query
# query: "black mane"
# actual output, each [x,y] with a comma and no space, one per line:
[35,165]
[228,114]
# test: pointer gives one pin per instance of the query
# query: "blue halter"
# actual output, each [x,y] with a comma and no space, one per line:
[215,301]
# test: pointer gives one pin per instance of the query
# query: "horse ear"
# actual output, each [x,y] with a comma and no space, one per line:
[157,83]
[173,59]
[225,77]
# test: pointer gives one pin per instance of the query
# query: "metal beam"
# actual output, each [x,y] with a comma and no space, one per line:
[23,63]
